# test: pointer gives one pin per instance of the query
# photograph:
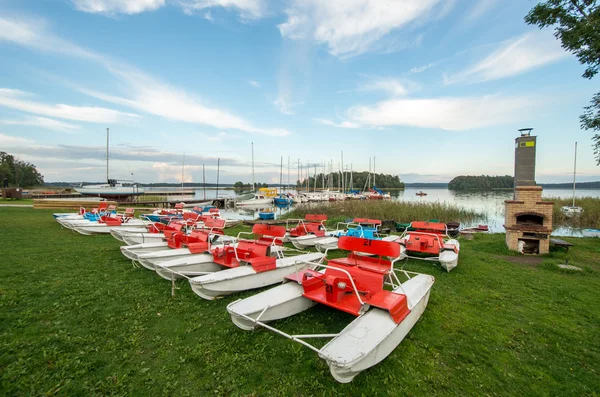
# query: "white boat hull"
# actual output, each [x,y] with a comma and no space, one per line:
[370,338]
[242,278]
[255,202]
[142,238]
[118,233]
[282,301]
[330,243]
[449,259]
[132,251]
[302,242]
[591,232]
[101,228]
[189,266]
[152,259]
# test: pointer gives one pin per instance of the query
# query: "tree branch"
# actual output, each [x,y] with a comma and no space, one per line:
[581,11]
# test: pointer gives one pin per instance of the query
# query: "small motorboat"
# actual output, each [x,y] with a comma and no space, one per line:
[570,210]
[421,193]
[432,239]
[476,229]
[251,264]
[591,232]
[282,200]
[353,285]
[266,214]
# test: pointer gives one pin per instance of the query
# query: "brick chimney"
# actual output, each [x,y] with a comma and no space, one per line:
[527,218]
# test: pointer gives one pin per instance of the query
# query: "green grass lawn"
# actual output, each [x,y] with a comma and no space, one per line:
[76,318]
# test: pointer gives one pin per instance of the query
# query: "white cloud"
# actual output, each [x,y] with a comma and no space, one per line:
[481,8]
[248,9]
[421,69]
[146,93]
[448,113]
[152,96]
[284,105]
[218,137]
[7,140]
[111,7]
[519,55]
[254,83]
[15,99]
[43,122]
[351,27]
[391,86]
[343,124]
[33,34]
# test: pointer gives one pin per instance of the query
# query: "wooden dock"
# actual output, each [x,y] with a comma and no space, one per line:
[69,204]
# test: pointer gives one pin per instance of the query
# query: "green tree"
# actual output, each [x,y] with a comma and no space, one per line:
[19,173]
[577,25]
[238,185]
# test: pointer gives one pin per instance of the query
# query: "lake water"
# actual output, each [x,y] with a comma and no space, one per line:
[490,203]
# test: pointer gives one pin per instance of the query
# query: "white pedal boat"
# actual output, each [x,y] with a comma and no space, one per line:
[156,254]
[132,251]
[102,228]
[307,241]
[449,258]
[431,238]
[363,343]
[188,266]
[119,233]
[242,278]
[331,243]
[133,238]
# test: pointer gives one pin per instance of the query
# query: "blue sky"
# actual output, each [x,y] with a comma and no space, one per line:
[431,88]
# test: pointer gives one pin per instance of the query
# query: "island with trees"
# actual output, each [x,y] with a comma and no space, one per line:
[481,182]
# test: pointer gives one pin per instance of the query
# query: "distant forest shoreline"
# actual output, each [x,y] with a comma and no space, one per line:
[436,185]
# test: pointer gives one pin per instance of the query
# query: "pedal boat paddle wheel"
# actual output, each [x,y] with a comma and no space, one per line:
[308,231]
[432,240]
[355,285]
[251,264]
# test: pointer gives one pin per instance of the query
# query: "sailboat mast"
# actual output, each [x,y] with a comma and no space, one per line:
[288,182]
[343,187]
[374,173]
[204,181]
[253,185]
[218,164]
[107,155]
[574,173]
[182,168]
[280,174]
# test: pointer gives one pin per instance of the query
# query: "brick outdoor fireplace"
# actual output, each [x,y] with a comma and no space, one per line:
[527,219]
